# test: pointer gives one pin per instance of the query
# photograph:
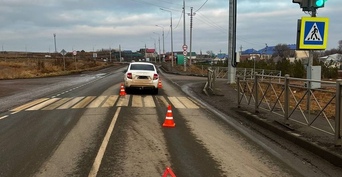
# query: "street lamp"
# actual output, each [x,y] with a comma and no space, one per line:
[159,45]
[171,35]
[163,38]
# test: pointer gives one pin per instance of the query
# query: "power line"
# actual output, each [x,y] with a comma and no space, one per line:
[156,5]
[179,20]
[212,24]
[201,6]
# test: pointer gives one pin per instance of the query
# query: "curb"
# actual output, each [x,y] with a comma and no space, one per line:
[329,156]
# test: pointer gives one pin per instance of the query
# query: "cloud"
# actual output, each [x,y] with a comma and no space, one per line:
[88,24]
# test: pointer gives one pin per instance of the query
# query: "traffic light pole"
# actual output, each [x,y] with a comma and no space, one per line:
[232,41]
[311,52]
[309,67]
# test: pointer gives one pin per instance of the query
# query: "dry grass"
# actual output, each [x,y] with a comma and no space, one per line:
[319,99]
[30,68]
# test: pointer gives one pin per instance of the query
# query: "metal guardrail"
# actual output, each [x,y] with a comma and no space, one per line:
[246,73]
[222,72]
[316,104]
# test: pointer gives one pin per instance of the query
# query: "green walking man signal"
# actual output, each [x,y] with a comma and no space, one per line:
[308,5]
[319,3]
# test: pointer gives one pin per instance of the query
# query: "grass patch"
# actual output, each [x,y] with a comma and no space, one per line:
[32,68]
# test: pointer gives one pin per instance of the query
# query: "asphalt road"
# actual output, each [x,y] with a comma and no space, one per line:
[79,126]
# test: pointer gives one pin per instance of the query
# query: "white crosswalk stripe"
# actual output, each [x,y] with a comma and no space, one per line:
[110,101]
[67,105]
[136,101]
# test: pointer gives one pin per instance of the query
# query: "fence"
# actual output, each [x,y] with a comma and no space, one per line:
[245,73]
[316,104]
[210,84]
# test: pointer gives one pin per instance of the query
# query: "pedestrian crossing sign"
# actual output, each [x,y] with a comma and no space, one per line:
[313,33]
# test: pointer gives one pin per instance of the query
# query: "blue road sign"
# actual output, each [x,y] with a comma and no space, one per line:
[314,33]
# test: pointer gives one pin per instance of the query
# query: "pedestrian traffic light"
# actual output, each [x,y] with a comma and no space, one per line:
[318,3]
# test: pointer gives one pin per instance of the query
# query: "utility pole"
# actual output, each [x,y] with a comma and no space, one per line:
[171,35]
[155,49]
[159,49]
[163,40]
[232,42]
[311,52]
[145,53]
[191,20]
[158,45]
[184,38]
[54,36]
[110,54]
[119,53]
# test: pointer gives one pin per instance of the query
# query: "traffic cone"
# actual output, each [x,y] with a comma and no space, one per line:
[160,85]
[168,172]
[122,90]
[169,118]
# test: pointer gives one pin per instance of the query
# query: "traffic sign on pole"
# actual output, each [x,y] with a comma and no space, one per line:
[63,52]
[313,33]
[185,47]
[185,53]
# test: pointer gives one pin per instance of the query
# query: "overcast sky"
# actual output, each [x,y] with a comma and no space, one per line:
[29,25]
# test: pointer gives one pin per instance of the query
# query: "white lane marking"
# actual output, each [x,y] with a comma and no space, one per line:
[188,103]
[137,101]
[123,100]
[22,107]
[100,153]
[104,101]
[110,101]
[57,104]
[3,117]
[43,104]
[163,100]
[97,102]
[148,102]
[176,103]
[84,102]
[70,103]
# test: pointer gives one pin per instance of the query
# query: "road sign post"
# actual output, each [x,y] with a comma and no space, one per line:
[63,52]
[74,52]
[185,53]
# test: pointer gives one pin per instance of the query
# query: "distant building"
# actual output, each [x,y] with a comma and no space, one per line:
[332,61]
[268,51]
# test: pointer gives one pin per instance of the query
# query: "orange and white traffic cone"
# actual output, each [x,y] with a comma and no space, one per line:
[168,172]
[169,118]
[160,85]
[122,90]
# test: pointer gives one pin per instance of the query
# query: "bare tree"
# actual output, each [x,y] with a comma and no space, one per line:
[283,51]
[340,46]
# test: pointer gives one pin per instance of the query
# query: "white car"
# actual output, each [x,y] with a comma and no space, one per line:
[141,75]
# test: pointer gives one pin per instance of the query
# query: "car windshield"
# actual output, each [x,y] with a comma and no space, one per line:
[142,67]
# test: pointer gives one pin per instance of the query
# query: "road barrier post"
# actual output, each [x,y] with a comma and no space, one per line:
[256,107]
[286,98]
[239,91]
[338,107]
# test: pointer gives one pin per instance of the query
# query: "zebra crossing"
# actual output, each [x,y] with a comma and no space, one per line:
[105,102]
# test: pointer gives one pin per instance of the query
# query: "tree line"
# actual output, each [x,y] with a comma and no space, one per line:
[280,60]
